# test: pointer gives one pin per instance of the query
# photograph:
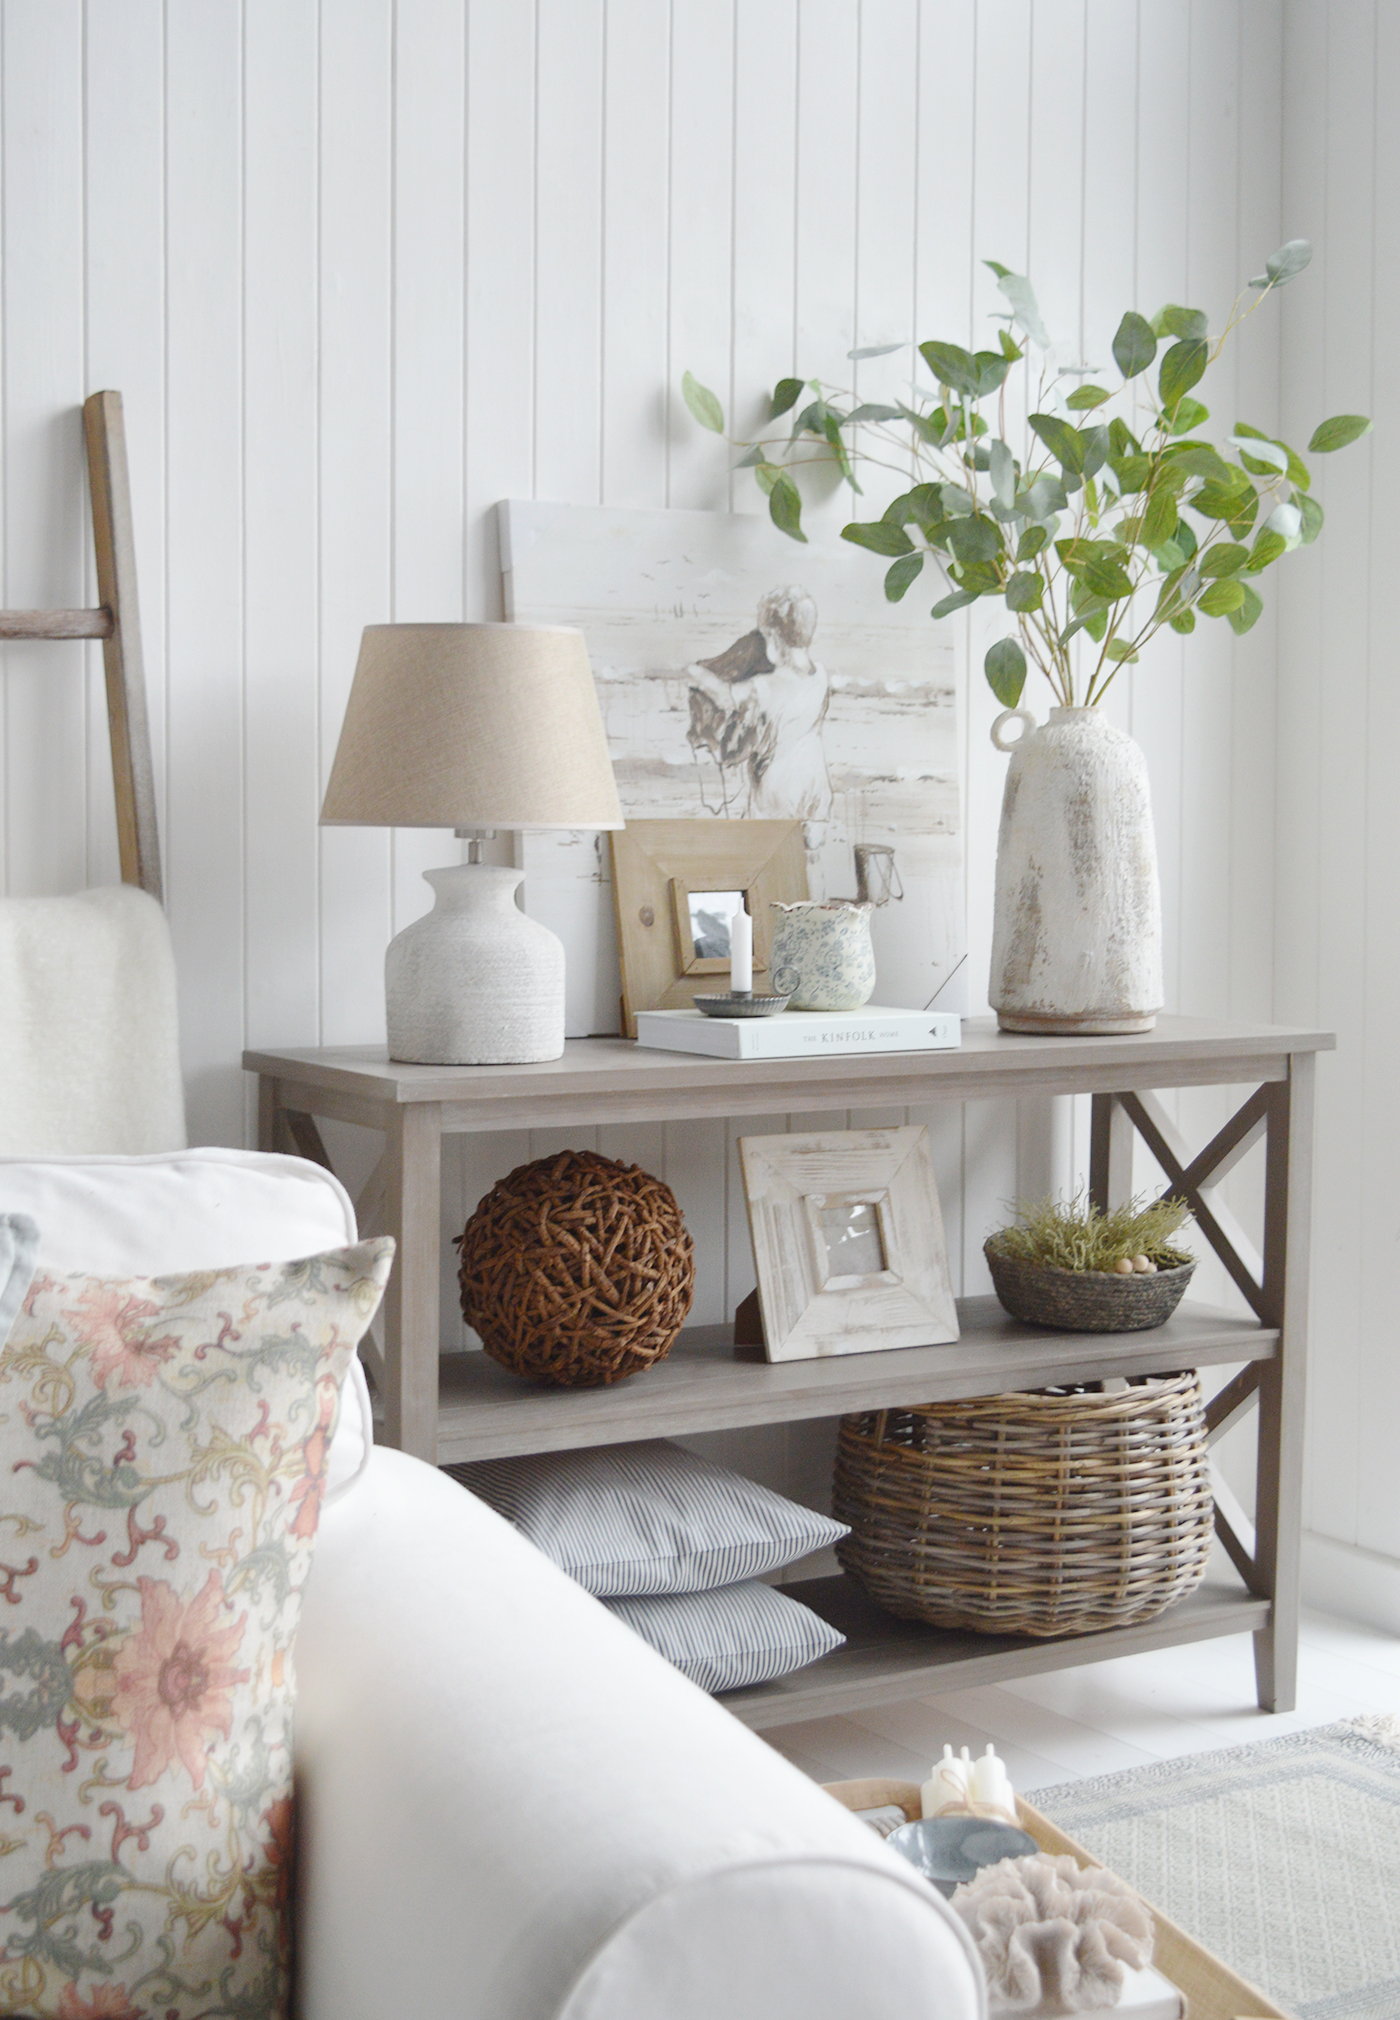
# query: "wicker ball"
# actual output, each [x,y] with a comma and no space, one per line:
[1042,1514]
[577,1270]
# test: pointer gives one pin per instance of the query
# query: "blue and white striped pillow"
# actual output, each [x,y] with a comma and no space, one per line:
[722,1640]
[625,1520]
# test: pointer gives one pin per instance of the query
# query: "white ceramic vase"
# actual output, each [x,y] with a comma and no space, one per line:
[1077,931]
[475,982]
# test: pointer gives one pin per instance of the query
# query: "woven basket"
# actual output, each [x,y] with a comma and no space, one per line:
[1086,1301]
[1033,1514]
[577,1270]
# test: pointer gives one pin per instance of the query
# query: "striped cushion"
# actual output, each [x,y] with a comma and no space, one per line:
[646,1518]
[722,1640]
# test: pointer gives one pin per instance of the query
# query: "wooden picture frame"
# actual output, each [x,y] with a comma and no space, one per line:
[848,1242]
[658,866]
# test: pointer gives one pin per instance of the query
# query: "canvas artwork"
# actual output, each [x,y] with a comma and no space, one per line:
[742,676]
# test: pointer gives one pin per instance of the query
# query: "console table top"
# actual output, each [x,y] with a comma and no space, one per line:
[1180,1051]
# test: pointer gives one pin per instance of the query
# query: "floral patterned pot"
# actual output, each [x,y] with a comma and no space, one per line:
[822,957]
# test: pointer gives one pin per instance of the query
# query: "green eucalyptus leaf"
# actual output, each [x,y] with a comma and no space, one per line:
[1122,440]
[1131,471]
[1236,504]
[1134,346]
[1184,621]
[1185,539]
[997,268]
[1267,548]
[1221,598]
[1159,520]
[872,412]
[1170,557]
[1005,668]
[1298,472]
[1024,308]
[1119,649]
[1064,442]
[975,539]
[767,475]
[1046,495]
[1031,542]
[900,510]
[1189,414]
[1338,433]
[755,456]
[1001,467]
[1284,265]
[901,573]
[1174,321]
[1183,365]
[1109,579]
[982,576]
[811,421]
[702,403]
[1096,448]
[1010,349]
[992,368]
[957,502]
[786,394]
[1199,459]
[1311,514]
[1084,399]
[832,430]
[1169,595]
[879,535]
[1096,625]
[952,367]
[933,428]
[785,508]
[1249,612]
[1258,455]
[959,600]
[1025,591]
[877,350]
[1226,557]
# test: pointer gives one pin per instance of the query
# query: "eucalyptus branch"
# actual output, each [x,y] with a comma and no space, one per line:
[1034,534]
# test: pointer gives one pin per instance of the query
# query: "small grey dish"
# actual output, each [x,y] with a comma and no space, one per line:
[743,1004]
[949,1850]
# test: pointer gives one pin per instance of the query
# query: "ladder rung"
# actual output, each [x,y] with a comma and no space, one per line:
[56,623]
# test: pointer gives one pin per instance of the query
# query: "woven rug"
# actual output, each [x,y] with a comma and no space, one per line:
[1283,1858]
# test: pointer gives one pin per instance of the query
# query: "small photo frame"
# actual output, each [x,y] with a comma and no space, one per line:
[677,886]
[848,1243]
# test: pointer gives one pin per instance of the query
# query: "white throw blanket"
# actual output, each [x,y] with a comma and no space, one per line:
[89,1045]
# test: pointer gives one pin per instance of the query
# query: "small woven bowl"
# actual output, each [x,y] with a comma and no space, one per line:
[1086,1301]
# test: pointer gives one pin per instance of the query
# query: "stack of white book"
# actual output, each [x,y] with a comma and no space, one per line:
[800,1034]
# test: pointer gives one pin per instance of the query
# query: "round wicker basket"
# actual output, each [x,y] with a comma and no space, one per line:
[577,1270]
[1034,1514]
[1085,1301]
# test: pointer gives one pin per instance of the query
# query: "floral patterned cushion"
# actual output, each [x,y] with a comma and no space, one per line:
[162,1463]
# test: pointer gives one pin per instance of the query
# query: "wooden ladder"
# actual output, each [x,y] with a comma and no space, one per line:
[117,623]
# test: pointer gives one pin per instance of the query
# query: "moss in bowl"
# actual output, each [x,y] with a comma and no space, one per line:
[1064,1263]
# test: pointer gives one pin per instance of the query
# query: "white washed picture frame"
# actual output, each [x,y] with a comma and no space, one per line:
[880,1184]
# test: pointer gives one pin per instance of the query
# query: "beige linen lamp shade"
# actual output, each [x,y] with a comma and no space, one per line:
[472,726]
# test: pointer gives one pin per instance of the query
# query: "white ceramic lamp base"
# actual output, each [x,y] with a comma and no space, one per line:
[475,982]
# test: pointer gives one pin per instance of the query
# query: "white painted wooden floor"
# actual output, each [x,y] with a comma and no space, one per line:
[1108,1715]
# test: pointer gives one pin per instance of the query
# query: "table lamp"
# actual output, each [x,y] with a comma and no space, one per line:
[473,727]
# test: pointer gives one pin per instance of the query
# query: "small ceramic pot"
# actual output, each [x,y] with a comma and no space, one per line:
[822,958]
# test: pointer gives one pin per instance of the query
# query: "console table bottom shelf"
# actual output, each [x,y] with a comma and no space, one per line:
[885,1659]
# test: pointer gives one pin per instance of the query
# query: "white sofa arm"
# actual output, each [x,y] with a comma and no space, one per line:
[509,1808]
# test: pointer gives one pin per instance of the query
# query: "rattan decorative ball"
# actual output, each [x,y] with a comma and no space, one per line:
[577,1270]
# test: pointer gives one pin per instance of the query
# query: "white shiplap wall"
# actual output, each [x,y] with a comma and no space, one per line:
[364,267]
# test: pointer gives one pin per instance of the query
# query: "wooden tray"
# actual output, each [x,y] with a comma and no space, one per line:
[1211,1989]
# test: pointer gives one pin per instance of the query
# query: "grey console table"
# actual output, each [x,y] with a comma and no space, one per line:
[463,1406]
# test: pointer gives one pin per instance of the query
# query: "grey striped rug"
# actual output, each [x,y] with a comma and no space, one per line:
[1283,1858]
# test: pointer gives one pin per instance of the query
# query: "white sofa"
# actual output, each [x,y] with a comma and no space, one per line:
[509,1808]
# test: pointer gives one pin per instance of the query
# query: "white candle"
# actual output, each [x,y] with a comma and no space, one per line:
[741,951]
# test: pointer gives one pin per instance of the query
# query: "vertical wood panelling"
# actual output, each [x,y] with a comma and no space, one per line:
[46,718]
[123,197]
[363,269]
[205,889]
[356,295]
[280,529]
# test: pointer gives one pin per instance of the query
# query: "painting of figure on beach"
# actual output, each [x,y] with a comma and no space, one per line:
[742,676]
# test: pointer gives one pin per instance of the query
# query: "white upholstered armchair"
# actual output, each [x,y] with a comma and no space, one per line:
[509,1808]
